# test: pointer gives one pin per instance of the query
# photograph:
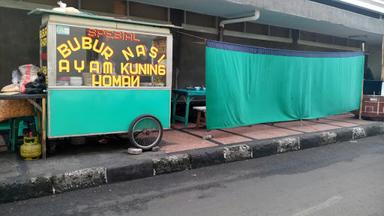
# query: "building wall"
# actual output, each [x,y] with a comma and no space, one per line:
[374,60]
[19,41]
[22,45]
[189,67]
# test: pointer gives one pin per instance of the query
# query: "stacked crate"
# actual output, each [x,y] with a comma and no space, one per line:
[373,106]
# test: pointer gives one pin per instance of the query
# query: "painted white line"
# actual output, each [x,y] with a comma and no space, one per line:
[328,203]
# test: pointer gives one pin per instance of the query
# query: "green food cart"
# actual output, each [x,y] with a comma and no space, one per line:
[106,75]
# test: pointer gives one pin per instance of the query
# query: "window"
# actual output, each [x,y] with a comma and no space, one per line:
[235,27]
[200,20]
[148,11]
[308,36]
[118,7]
[279,31]
[257,28]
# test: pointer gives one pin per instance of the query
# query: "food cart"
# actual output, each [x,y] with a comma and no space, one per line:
[106,75]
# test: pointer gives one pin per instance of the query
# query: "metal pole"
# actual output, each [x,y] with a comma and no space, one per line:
[382,59]
[362,85]
[221,33]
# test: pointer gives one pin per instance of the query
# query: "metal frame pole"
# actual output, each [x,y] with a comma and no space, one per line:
[362,84]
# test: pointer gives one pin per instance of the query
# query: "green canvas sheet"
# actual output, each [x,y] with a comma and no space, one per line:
[250,85]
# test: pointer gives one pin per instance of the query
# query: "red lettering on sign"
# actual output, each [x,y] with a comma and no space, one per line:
[43,56]
[134,38]
[108,34]
[100,33]
[118,36]
[91,33]
[113,35]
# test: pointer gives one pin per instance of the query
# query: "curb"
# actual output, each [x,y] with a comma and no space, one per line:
[90,177]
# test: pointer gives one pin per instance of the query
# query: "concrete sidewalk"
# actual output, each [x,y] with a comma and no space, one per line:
[188,138]
[182,149]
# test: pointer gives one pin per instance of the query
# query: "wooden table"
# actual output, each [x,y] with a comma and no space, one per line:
[189,96]
[41,114]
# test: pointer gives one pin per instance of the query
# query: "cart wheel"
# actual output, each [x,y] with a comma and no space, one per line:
[145,132]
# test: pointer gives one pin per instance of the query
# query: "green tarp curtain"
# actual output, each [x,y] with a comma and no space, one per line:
[249,85]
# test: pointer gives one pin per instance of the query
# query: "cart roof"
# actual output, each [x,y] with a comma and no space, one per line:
[87,15]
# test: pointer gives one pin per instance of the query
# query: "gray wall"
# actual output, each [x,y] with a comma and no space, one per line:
[189,67]
[374,61]
[189,56]
[19,41]
[19,44]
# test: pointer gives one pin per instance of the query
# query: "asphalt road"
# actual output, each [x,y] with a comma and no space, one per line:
[340,179]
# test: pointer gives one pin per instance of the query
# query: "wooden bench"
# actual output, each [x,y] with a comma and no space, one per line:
[201,117]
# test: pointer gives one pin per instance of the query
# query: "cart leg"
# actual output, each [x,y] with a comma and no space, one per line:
[40,129]
[39,116]
[187,102]
[43,128]
[174,103]
[198,119]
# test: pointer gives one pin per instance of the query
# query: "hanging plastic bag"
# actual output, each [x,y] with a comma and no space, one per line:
[36,87]
[28,74]
[15,77]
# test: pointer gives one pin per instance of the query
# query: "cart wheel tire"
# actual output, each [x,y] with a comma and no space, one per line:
[145,132]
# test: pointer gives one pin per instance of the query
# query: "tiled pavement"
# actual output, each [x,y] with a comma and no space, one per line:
[182,138]
[174,141]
